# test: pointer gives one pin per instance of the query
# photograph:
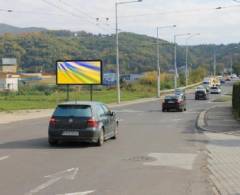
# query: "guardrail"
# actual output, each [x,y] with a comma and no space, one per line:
[188,87]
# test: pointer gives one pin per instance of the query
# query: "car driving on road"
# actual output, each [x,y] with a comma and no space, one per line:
[176,102]
[201,93]
[180,91]
[215,90]
[82,121]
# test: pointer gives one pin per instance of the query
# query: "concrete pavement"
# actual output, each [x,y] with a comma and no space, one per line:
[223,147]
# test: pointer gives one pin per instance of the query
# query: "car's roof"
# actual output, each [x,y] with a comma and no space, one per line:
[80,103]
[171,96]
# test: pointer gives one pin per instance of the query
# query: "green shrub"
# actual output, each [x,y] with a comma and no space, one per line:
[236,99]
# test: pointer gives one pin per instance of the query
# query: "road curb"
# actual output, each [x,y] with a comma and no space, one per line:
[201,121]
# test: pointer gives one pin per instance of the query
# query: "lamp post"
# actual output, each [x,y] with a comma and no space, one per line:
[158,60]
[175,56]
[231,60]
[117,46]
[187,52]
[214,61]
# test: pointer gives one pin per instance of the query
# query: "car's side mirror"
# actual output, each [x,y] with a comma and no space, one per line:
[111,113]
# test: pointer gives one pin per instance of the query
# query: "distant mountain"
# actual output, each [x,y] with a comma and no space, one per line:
[39,51]
[5,28]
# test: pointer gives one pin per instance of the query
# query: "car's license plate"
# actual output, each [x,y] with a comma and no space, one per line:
[70,133]
[171,102]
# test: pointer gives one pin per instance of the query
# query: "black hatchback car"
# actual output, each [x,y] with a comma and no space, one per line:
[83,122]
[176,102]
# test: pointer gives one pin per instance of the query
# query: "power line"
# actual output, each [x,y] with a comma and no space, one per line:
[74,7]
[75,15]
[30,12]
[181,11]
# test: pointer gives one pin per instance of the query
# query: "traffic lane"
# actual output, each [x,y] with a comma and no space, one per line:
[140,135]
[162,133]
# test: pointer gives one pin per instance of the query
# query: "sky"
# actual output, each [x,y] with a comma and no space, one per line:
[218,26]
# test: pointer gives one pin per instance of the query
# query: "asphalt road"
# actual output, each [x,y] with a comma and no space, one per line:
[156,153]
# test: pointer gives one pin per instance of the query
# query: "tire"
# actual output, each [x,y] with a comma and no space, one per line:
[185,109]
[163,110]
[101,138]
[115,133]
[52,142]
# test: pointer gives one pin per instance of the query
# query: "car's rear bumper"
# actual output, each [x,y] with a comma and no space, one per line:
[201,96]
[171,106]
[84,135]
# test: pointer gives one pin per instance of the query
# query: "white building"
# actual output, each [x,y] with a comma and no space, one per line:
[9,82]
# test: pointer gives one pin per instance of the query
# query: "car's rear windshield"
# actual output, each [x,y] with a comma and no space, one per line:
[214,88]
[171,97]
[73,111]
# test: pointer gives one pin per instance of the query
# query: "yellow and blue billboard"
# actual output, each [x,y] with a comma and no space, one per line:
[79,72]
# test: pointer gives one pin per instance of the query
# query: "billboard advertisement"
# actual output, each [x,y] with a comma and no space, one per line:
[79,72]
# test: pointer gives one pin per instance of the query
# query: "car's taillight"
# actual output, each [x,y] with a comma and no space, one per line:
[52,121]
[92,123]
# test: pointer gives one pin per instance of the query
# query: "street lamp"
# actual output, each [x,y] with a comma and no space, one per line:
[214,61]
[117,46]
[187,51]
[175,56]
[158,60]
[232,60]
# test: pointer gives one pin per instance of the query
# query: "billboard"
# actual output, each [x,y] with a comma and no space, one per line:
[79,72]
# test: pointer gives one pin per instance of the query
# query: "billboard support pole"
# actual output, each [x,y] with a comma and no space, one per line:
[67,92]
[91,93]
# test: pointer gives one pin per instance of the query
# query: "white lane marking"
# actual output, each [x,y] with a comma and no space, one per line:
[79,193]
[4,157]
[68,174]
[176,120]
[177,160]
[128,111]
[190,112]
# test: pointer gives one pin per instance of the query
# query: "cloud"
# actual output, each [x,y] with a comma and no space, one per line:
[194,16]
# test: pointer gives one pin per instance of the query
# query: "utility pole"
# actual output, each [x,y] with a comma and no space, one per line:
[117,57]
[214,62]
[117,46]
[187,54]
[175,57]
[158,60]
[158,68]
[175,63]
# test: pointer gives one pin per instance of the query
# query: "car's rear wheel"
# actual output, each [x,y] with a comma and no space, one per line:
[52,142]
[181,109]
[101,138]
